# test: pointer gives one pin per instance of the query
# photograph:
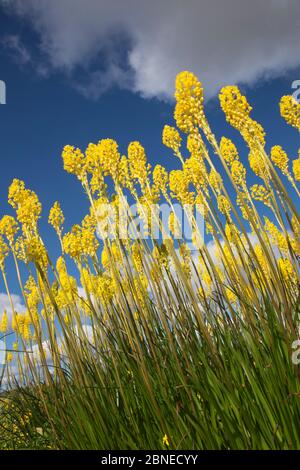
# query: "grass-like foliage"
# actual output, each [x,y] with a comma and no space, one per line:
[157,343]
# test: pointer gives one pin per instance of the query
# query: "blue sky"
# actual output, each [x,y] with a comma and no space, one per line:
[51,103]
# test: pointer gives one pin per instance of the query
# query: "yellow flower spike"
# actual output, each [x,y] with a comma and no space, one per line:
[123,175]
[189,112]
[237,111]
[165,440]
[87,280]
[61,265]
[224,205]
[4,322]
[171,138]
[71,244]
[14,321]
[117,253]
[26,333]
[247,211]
[89,243]
[89,223]
[27,318]
[137,256]
[97,183]
[228,150]
[186,259]
[9,228]
[296,168]
[296,227]
[3,252]
[92,163]
[18,323]
[195,144]
[260,193]
[276,235]
[287,270]
[105,288]
[232,233]
[105,258]
[280,158]
[195,171]
[9,356]
[56,217]
[179,186]
[138,163]
[258,165]
[161,256]
[260,255]
[74,161]
[80,242]
[36,252]
[109,157]
[238,173]
[160,179]
[215,181]
[28,210]
[205,276]
[15,192]
[174,226]
[290,110]
[235,106]
[254,134]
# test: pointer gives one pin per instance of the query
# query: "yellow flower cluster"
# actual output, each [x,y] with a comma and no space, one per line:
[123,282]
[27,205]
[238,172]
[138,163]
[109,157]
[215,181]
[280,158]
[277,236]
[4,322]
[179,187]
[171,138]
[80,242]
[290,110]
[3,252]
[160,179]
[260,193]
[235,106]
[287,270]
[8,228]
[189,112]
[35,251]
[56,218]
[296,168]
[228,151]
[258,164]
[74,161]
[237,111]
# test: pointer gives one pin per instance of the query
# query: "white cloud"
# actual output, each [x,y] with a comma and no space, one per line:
[222,41]
[6,305]
[12,43]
